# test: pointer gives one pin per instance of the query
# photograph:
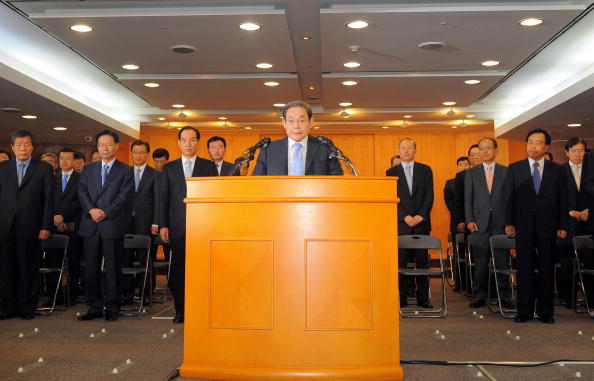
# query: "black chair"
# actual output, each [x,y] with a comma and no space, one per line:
[502,242]
[425,242]
[465,265]
[56,242]
[450,262]
[581,243]
[138,242]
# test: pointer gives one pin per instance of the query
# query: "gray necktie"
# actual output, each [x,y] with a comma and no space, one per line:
[188,169]
[21,172]
[409,177]
[137,179]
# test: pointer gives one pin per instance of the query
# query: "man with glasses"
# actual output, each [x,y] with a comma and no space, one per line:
[299,153]
[172,209]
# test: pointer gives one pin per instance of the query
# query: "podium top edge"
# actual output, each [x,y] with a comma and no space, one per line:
[230,178]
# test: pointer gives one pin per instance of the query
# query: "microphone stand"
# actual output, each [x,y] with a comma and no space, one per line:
[336,153]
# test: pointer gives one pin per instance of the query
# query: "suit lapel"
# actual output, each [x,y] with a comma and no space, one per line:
[546,174]
[282,154]
[416,177]
[498,177]
[570,177]
[110,175]
[144,179]
[482,179]
[312,149]
[528,172]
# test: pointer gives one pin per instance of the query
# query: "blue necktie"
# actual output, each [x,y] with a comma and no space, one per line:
[64,181]
[297,161]
[536,177]
[137,179]
[104,174]
[21,172]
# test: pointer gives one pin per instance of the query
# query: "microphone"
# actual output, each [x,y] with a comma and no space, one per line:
[328,143]
[261,144]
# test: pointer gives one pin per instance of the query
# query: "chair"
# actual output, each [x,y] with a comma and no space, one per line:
[58,242]
[583,242]
[501,242]
[449,263]
[138,242]
[161,264]
[425,242]
[464,264]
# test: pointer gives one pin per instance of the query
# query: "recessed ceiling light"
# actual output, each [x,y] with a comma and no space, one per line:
[59,128]
[532,21]
[183,49]
[161,118]
[311,87]
[222,118]
[178,106]
[349,83]
[490,63]
[247,127]
[29,116]
[351,64]
[345,104]
[470,116]
[573,125]
[408,116]
[385,127]
[472,81]
[81,28]
[316,127]
[151,84]
[249,26]
[279,105]
[130,67]
[454,126]
[305,38]
[448,103]
[263,65]
[358,24]
[271,83]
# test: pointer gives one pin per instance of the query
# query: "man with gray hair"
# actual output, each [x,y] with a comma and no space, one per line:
[51,159]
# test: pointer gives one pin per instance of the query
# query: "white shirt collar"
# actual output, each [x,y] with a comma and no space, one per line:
[109,163]
[411,163]
[303,142]
[185,160]
[486,166]
[541,162]
[575,165]
[142,167]
[69,173]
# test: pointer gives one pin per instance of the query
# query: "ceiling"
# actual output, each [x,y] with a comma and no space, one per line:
[77,80]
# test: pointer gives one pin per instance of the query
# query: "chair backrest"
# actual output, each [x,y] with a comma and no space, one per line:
[450,238]
[55,241]
[419,242]
[137,241]
[502,242]
[460,239]
[583,242]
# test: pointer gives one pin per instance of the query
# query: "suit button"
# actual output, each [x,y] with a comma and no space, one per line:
[15,210]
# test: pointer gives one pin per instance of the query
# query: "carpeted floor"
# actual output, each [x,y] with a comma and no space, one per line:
[69,353]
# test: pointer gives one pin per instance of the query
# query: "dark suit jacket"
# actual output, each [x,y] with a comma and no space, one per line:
[587,186]
[67,203]
[114,198]
[448,196]
[31,204]
[145,201]
[459,212]
[273,160]
[226,167]
[576,200]
[173,190]
[543,213]
[481,206]
[420,201]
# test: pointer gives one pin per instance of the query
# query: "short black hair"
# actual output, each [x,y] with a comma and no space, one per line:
[550,155]
[216,139]
[94,150]
[67,149]
[6,152]
[160,152]
[140,143]
[80,155]
[20,134]
[297,104]
[574,140]
[188,128]
[114,135]
[471,147]
[489,138]
[546,133]
[462,158]
[394,157]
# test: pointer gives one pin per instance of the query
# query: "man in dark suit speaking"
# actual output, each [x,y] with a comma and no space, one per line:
[298,154]
[106,191]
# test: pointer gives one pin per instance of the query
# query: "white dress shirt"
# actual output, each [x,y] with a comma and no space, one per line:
[541,164]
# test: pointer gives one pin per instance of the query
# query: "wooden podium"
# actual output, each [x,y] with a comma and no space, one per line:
[292,278]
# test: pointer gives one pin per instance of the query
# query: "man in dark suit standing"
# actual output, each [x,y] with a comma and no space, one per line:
[216,149]
[485,217]
[106,191]
[144,212]
[537,214]
[67,214]
[26,205]
[474,156]
[415,191]
[298,154]
[172,215]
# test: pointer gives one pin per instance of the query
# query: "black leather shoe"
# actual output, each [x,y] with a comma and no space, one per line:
[521,319]
[547,319]
[5,316]
[178,319]
[403,304]
[111,317]
[477,304]
[90,316]
[426,305]
[507,304]
[27,316]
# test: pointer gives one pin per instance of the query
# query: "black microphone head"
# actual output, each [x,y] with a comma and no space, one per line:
[266,141]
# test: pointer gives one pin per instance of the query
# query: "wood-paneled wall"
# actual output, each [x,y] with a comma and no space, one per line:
[371,154]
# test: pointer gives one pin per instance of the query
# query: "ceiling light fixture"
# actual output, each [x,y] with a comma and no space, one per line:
[250,26]
[247,127]
[403,124]
[385,127]
[279,105]
[182,114]
[358,24]
[222,118]
[470,116]
[408,116]
[349,83]
[454,126]
[81,28]
[178,106]
[29,116]
[573,125]
[351,64]
[489,63]
[264,65]
[344,114]
[59,128]
[345,104]
[316,127]
[271,84]
[161,118]
[531,21]
[183,49]
[472,81]
[130,67]
[312,88]
[151,84]
[305,38]
[448,103]
[451,112]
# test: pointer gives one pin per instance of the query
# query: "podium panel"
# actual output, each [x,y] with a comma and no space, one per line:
[291,278]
